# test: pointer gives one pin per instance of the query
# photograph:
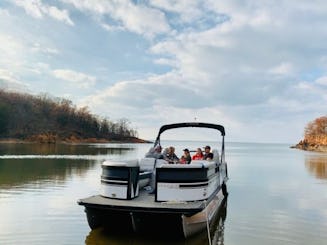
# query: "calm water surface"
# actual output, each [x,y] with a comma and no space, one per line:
[277,195]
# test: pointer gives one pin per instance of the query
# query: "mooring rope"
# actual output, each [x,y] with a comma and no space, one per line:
[207,220]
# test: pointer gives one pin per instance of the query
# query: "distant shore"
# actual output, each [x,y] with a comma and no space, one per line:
[73,141]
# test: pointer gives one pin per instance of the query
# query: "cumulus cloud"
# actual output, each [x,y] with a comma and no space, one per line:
[37,47]
[250,64]
[283,69]
[248,50]
[187,11]
[322,81]
[10,46]
[8,81]
[17,57]
[37,9]
[79,79]
[259,64]
[137,18]
[247,70]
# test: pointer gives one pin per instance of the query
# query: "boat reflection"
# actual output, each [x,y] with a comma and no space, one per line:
[317,165]
[101,236]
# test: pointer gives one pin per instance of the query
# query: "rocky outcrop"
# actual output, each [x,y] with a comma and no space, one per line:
[311,146]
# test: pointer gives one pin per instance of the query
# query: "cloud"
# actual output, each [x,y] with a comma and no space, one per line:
[18,56]
[79,79]
[283,69]
[258,66]
[8,81]
[190,15]
[137,18]
[10,46]
[247,68]
[185,11]
[322,81]
[12,52]
[245,54]
[37,9]
[167,90]
[38,48]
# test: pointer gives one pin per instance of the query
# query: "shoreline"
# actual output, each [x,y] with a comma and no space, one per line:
[73,141]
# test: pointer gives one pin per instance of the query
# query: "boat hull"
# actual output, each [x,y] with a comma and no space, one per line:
[177,222]
[202,220]
[134,222]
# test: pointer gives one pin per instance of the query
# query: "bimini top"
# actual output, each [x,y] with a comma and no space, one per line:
[191,124]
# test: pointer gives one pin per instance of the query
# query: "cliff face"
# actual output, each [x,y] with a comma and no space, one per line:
[315,136]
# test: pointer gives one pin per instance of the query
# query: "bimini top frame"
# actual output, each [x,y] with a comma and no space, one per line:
[191,124]
[194,125]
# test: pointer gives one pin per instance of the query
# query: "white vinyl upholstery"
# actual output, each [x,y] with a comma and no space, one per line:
[215,155]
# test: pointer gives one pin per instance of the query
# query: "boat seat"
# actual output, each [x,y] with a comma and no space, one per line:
[194,164]
[162,162]
[147,164]
[129,163]
[215,155]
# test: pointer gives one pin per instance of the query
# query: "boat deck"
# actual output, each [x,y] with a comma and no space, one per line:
[144,202]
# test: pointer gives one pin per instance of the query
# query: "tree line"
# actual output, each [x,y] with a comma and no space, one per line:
[316,131]
[46,118]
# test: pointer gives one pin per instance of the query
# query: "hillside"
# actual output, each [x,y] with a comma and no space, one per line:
[315,136]
[45,119]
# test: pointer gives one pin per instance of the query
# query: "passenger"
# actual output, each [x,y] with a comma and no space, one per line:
[198,155]
[170,155]
[207,154]
[165,152]
[186,158]
[155,152]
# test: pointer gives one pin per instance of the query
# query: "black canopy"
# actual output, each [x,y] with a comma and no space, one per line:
[191,124]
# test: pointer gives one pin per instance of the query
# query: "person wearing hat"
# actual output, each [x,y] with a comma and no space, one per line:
[186,158]
[207,154]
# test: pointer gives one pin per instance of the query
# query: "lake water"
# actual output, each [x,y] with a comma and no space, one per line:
[277,195]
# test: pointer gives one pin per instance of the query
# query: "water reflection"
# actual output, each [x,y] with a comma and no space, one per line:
[26,163]
[16,172]
[101,236]
[317,165]
[64,149]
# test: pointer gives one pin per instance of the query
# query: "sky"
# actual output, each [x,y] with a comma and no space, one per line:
[257,67]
